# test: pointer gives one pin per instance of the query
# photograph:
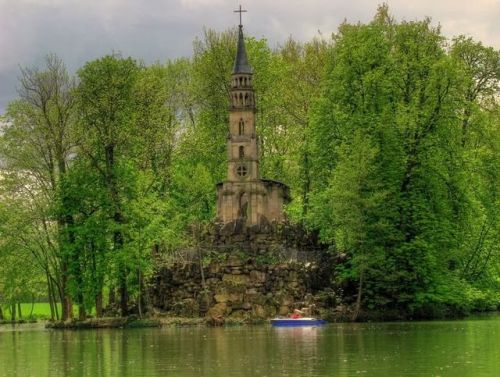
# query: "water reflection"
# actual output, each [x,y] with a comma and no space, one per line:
[459,348]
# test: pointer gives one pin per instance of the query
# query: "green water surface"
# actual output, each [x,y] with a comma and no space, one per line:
[439,348]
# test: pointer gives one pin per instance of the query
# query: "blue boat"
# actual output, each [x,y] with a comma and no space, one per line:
[295,322]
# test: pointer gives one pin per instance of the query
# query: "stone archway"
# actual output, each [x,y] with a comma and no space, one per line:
[243,205]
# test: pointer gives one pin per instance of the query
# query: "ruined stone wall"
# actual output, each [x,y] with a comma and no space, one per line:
[235,288]
[249,272]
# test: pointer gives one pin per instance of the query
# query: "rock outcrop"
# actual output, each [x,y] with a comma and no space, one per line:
[237,287]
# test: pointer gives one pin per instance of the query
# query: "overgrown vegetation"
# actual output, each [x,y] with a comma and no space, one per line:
[387,133]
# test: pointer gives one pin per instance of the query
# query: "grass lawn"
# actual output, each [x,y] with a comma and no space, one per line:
[41,310]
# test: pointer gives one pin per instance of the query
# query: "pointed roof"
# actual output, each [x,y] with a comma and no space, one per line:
[241,62]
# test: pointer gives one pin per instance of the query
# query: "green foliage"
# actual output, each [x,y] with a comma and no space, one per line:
[386,134]
[393,187]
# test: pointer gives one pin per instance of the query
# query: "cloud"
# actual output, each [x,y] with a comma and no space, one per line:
[151,30]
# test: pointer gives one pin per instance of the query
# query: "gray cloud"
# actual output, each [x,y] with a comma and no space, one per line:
[81,30]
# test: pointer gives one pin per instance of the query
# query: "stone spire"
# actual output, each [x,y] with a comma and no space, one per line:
[241,62]
[244,197]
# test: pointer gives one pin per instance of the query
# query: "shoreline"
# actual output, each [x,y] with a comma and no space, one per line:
[159,322]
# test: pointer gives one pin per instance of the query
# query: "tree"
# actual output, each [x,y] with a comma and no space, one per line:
[36,148]
[392,88]
[106,111]
[479,67]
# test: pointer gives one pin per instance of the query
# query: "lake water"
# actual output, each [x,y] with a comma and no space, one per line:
[439,348]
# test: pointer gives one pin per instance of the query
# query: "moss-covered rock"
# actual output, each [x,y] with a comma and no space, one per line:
[284,310]
[188,307]
[230,279]
[221,296]
[234,281]
[270,311]
[219,310]
[255,298]
[257,276]
[258,311]
[234,261]
[241,315]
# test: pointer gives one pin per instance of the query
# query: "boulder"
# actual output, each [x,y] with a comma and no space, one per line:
[257,276]
[221,297]
[235,279]
[236,297]
[214,268]
[186,308]
[234,261]
[251,291]
[293,285]
[270,310]
[255,298]
[293,276]
[285,299]
[284,310]
[204,301]
[239,315]
[258,311]
[219,310]
[212,282]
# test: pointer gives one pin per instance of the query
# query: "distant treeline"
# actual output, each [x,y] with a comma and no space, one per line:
[387,133]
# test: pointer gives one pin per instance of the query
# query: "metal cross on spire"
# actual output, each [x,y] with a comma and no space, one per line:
[240,11]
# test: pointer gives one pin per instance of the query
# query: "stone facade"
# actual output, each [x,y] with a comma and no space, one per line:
[244,273]
[257,202]
[236,288]
[244,195]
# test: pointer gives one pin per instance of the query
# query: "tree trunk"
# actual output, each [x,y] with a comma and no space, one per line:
[32,305]
[202,273]
[56,308]
[1,314]
[306,184]
[82,314]
[49,296]
[112,296]
[66,307]
[19,312]
[123,295]
[139,299]
[122,288]
[123,272]
[13,312]
[118,220]
[67,235]
[98,304]
[358,299]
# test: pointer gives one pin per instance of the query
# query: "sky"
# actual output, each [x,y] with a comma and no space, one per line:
[157,30]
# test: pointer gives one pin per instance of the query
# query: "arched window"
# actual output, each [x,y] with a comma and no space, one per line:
[241,127]
[243,204]
[242,151]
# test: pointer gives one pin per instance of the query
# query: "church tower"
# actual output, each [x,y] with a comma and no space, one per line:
[242,139]
[244,196]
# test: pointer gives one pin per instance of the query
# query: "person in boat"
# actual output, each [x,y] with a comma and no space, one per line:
[296,314]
